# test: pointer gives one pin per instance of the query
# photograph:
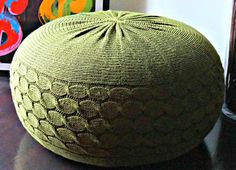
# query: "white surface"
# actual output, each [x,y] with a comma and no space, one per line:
[4,66]
[99,5]
[210,17]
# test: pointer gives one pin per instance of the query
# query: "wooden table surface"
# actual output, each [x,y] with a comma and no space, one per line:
[19,151]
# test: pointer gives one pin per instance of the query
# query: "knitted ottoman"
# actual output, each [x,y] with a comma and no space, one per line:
[115,88]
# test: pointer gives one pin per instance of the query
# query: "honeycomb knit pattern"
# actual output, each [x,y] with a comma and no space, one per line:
[115,88]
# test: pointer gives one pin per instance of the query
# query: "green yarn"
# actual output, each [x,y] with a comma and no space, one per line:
[115,88]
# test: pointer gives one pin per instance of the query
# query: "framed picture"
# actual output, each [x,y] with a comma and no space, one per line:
[18,18]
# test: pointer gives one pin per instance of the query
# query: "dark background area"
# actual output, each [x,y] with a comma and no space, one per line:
[231,72]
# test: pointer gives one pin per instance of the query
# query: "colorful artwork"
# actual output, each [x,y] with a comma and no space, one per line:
[52,9]
[10,29]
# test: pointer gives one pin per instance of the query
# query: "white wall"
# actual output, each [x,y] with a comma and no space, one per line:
[210,17]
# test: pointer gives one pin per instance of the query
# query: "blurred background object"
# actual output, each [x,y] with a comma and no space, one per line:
[229,108]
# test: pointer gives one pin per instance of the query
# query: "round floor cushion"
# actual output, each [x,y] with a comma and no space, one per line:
[114,88]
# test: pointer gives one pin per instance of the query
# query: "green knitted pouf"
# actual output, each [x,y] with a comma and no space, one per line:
[115,88]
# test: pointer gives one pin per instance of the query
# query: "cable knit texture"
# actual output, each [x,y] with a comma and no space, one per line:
[115,88]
